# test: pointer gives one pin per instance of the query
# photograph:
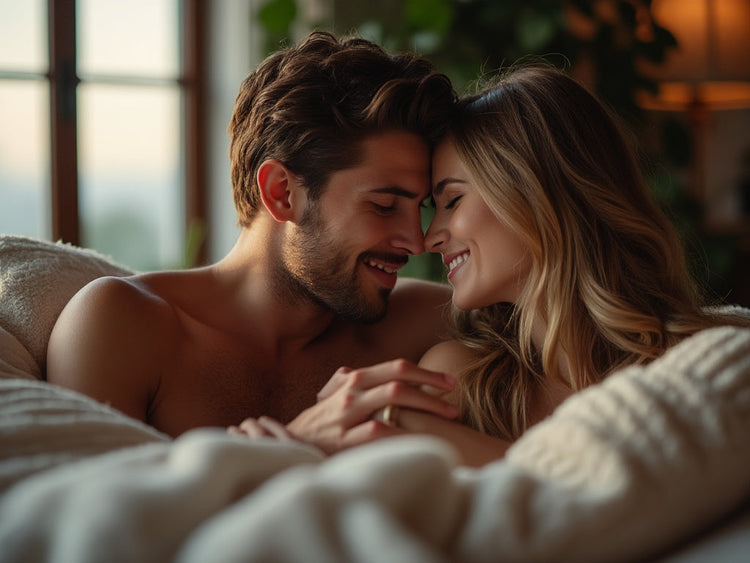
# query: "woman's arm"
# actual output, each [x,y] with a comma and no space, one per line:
[475,448]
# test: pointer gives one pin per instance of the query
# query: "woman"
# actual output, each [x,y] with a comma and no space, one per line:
[563,267]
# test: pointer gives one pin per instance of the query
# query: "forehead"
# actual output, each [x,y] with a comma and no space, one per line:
[394,161]
[447,167]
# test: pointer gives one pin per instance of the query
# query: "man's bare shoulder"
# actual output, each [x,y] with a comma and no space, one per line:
[104,343]
[415,321]
[126,297]
[413,299]
[408,289]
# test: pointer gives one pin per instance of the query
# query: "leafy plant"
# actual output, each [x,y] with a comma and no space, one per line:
[276,17]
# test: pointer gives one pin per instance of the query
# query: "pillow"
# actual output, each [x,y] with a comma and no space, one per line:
[37,279]
[15,360]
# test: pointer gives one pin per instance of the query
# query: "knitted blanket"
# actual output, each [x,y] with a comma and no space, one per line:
[628,469]
[652,463]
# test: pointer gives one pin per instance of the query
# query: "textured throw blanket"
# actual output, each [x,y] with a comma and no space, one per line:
[629,469]
[37,279]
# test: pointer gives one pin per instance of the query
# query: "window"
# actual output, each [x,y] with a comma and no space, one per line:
[24,97]
[102,114]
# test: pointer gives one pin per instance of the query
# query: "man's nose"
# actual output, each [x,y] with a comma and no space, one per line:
[410,237]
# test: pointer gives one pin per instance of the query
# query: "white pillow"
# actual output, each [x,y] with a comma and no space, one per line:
[37,279]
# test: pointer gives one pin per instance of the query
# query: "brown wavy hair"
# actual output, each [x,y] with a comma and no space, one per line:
[310,106]
[608,276]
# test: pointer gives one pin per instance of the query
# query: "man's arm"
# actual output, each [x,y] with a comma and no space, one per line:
[104,345]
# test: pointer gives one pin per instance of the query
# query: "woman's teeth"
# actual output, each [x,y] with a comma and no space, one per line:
[458,260]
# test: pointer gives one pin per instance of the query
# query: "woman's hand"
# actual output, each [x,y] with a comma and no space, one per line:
[345,414]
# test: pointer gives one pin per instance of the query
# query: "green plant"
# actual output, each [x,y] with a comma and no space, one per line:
[276,17]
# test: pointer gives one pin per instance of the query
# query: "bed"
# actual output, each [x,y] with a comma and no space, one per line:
[652,464]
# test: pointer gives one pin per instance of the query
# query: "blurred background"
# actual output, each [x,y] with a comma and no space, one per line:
[113,113]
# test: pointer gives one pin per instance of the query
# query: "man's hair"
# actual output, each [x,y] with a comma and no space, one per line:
[311,105]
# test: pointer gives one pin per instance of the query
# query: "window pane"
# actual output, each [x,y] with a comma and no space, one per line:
[130,188]
[128,38]
[23,35]
[24,158]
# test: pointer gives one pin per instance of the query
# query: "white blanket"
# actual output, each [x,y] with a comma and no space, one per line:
[628,469]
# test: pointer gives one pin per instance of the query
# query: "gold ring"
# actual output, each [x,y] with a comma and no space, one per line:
[390,415]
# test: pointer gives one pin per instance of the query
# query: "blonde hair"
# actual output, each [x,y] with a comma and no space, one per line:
[608,276]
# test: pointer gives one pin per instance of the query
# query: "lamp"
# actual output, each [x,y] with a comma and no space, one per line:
[712,60]
[709,70]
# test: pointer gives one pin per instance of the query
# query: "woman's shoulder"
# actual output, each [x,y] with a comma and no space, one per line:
[449,356]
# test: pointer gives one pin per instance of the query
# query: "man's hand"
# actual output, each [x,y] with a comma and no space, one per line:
[343,416]
[265,426]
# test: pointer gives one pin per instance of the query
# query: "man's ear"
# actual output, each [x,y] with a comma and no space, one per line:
[279,190]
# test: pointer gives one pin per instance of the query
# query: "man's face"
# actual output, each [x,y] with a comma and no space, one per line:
[350,243]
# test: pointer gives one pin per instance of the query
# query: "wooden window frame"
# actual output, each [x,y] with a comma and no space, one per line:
[63,81]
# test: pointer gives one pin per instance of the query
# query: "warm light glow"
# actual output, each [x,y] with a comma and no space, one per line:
[716,95]
[712,62]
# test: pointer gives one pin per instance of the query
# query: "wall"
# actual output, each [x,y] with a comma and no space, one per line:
[234,49]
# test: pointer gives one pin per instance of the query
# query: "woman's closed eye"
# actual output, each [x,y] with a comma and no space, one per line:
[452,202]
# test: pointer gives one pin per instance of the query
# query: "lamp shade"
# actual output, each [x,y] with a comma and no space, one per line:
[711,63]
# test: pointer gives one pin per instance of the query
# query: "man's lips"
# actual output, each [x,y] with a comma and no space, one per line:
[389,263]
[385,267]
[388,269]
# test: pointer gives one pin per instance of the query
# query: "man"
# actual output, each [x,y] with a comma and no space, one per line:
[330,149]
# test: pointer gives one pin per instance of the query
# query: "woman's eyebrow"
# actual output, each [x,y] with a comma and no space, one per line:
[440,186]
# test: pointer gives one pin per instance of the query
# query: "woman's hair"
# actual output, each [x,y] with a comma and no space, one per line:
[310,106]
[608,276]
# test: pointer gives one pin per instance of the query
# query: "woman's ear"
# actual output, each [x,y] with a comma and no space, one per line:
[279,190]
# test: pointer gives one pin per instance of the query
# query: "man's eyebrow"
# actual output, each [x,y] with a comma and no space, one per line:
[440,186]
[397,191]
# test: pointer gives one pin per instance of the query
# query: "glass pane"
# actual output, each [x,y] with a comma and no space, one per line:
[24,158]
[130,187]
[23,35]
[128,38]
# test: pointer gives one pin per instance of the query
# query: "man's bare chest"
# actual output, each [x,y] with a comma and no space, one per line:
[219,383]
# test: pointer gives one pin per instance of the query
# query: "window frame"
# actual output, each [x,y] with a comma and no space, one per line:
[63,83]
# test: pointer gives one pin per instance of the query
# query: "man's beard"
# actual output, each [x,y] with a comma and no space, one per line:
[314,267]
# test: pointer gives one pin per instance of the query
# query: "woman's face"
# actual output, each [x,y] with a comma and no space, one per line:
[486,261]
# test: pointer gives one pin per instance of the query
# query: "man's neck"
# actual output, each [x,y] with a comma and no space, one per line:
[275,320]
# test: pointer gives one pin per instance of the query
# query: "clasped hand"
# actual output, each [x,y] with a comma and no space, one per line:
[346,413]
